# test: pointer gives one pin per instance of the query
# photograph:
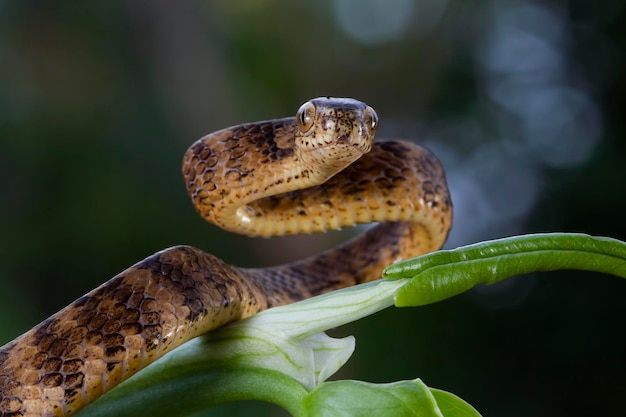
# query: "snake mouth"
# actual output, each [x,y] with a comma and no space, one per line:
[344,140]
[354,144]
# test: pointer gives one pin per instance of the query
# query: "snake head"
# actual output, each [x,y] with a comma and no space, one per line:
[334,132]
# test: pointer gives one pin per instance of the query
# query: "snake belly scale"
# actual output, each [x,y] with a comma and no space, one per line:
[316,171]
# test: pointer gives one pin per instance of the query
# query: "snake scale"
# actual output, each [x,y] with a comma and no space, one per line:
[317,171]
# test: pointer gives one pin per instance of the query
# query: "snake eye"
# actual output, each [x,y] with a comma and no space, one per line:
[371,119]
[306,116]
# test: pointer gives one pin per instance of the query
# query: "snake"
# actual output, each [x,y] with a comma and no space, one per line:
[320,170]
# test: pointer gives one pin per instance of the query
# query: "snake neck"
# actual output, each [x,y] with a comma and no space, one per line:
[245,181]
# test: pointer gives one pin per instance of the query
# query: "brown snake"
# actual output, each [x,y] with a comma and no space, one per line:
[314,172]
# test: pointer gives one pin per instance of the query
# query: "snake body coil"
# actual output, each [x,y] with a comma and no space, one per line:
[318,171]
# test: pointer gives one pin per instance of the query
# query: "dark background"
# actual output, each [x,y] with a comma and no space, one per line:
[522,101]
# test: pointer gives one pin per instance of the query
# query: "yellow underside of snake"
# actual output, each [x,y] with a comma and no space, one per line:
[317,171]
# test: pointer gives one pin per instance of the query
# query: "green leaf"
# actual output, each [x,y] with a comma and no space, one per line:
[452,406]
[397,399]
[443,274]
[183,392]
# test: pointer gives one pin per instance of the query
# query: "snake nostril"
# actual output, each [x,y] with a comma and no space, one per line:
[344,140]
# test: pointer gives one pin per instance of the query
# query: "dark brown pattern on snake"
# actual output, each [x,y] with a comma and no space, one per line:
[247,179]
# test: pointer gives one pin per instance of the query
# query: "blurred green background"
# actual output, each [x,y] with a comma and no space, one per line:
[522,101]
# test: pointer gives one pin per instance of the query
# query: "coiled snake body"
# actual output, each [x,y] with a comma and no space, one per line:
[317,171]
